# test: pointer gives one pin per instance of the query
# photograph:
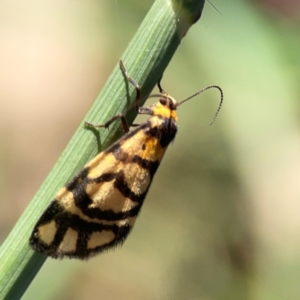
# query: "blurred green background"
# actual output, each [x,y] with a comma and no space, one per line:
[222,219]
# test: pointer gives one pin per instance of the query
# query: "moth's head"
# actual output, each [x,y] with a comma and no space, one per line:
[165,107]
[167,102]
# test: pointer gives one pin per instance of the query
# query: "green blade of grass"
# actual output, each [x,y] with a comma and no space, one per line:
[146,57]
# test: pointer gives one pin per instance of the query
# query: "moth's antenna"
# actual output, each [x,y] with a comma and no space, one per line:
[214,7]
[219,107]
[201,91]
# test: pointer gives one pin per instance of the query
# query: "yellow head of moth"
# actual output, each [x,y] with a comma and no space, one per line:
[96,210]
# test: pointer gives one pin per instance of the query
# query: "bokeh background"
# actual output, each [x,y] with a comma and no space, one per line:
[222,219]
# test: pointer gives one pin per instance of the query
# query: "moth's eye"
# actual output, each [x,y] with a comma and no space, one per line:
[163,101]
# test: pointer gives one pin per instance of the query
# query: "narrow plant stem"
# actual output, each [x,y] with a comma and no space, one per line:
[146,57]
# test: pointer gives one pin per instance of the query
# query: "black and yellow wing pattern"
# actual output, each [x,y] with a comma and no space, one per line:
[97,209]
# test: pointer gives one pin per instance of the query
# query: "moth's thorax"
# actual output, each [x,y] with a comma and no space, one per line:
[164,129]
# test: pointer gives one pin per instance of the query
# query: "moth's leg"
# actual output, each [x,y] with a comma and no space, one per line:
[121,116]
[110,121]
[134,83]
[161,90]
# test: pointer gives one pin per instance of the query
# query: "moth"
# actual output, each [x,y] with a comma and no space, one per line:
[97,209]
